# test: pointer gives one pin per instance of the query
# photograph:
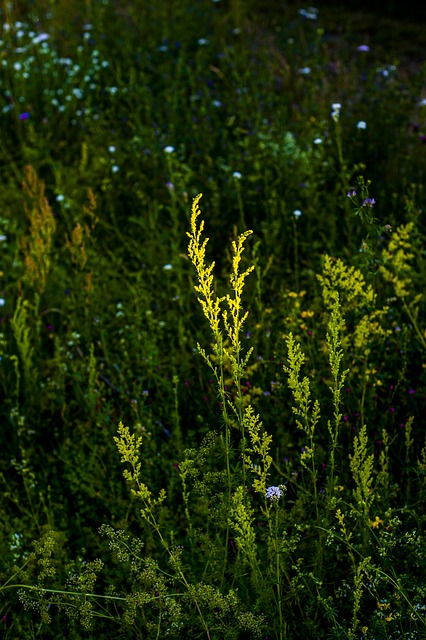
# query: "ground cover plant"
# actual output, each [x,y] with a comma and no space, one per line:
[212,327]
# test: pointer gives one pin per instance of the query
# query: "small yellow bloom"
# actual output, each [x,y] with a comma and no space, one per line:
[376,523]
[383,605]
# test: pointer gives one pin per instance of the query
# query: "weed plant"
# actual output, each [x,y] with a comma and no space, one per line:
[212,407]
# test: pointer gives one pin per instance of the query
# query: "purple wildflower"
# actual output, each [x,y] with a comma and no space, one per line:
[275,493]
[369,202]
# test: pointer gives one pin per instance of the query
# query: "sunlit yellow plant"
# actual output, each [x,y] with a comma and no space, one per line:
[397,268]
[355,296]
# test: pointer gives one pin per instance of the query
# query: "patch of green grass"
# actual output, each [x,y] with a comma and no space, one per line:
[262,380]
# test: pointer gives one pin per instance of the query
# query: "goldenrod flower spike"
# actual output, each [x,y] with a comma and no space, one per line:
[209,302]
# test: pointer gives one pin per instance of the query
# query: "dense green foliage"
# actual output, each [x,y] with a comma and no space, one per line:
[211,407]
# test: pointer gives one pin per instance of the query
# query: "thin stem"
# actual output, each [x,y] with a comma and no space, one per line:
[278,576]
[296,253]
[414,323]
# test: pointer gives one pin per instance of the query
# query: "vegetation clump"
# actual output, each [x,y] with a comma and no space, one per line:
[209,437]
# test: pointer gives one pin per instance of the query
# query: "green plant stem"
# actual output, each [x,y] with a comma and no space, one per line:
[278,576]
[296,253]
[414,323]
[240,206]
[152,521]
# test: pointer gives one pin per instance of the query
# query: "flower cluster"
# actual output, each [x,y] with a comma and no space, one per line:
[275,493]
[335,111]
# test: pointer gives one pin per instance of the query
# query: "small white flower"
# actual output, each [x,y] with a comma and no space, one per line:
[297,213]
[42,37]
[361,124]
[3,238]
[305,71]
[111,148]
[386,71]
[422,103]
[167,267]
[169,149]
[335,111]
[216,103]
[115,168]
[318,141]
[17,66]
[237,175]
[310,14]
[203,42]
[60,198]
[2,302]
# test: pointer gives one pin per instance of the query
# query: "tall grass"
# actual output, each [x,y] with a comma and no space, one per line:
[212,405]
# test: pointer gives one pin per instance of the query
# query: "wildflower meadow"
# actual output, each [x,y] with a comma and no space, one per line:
[212,323]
